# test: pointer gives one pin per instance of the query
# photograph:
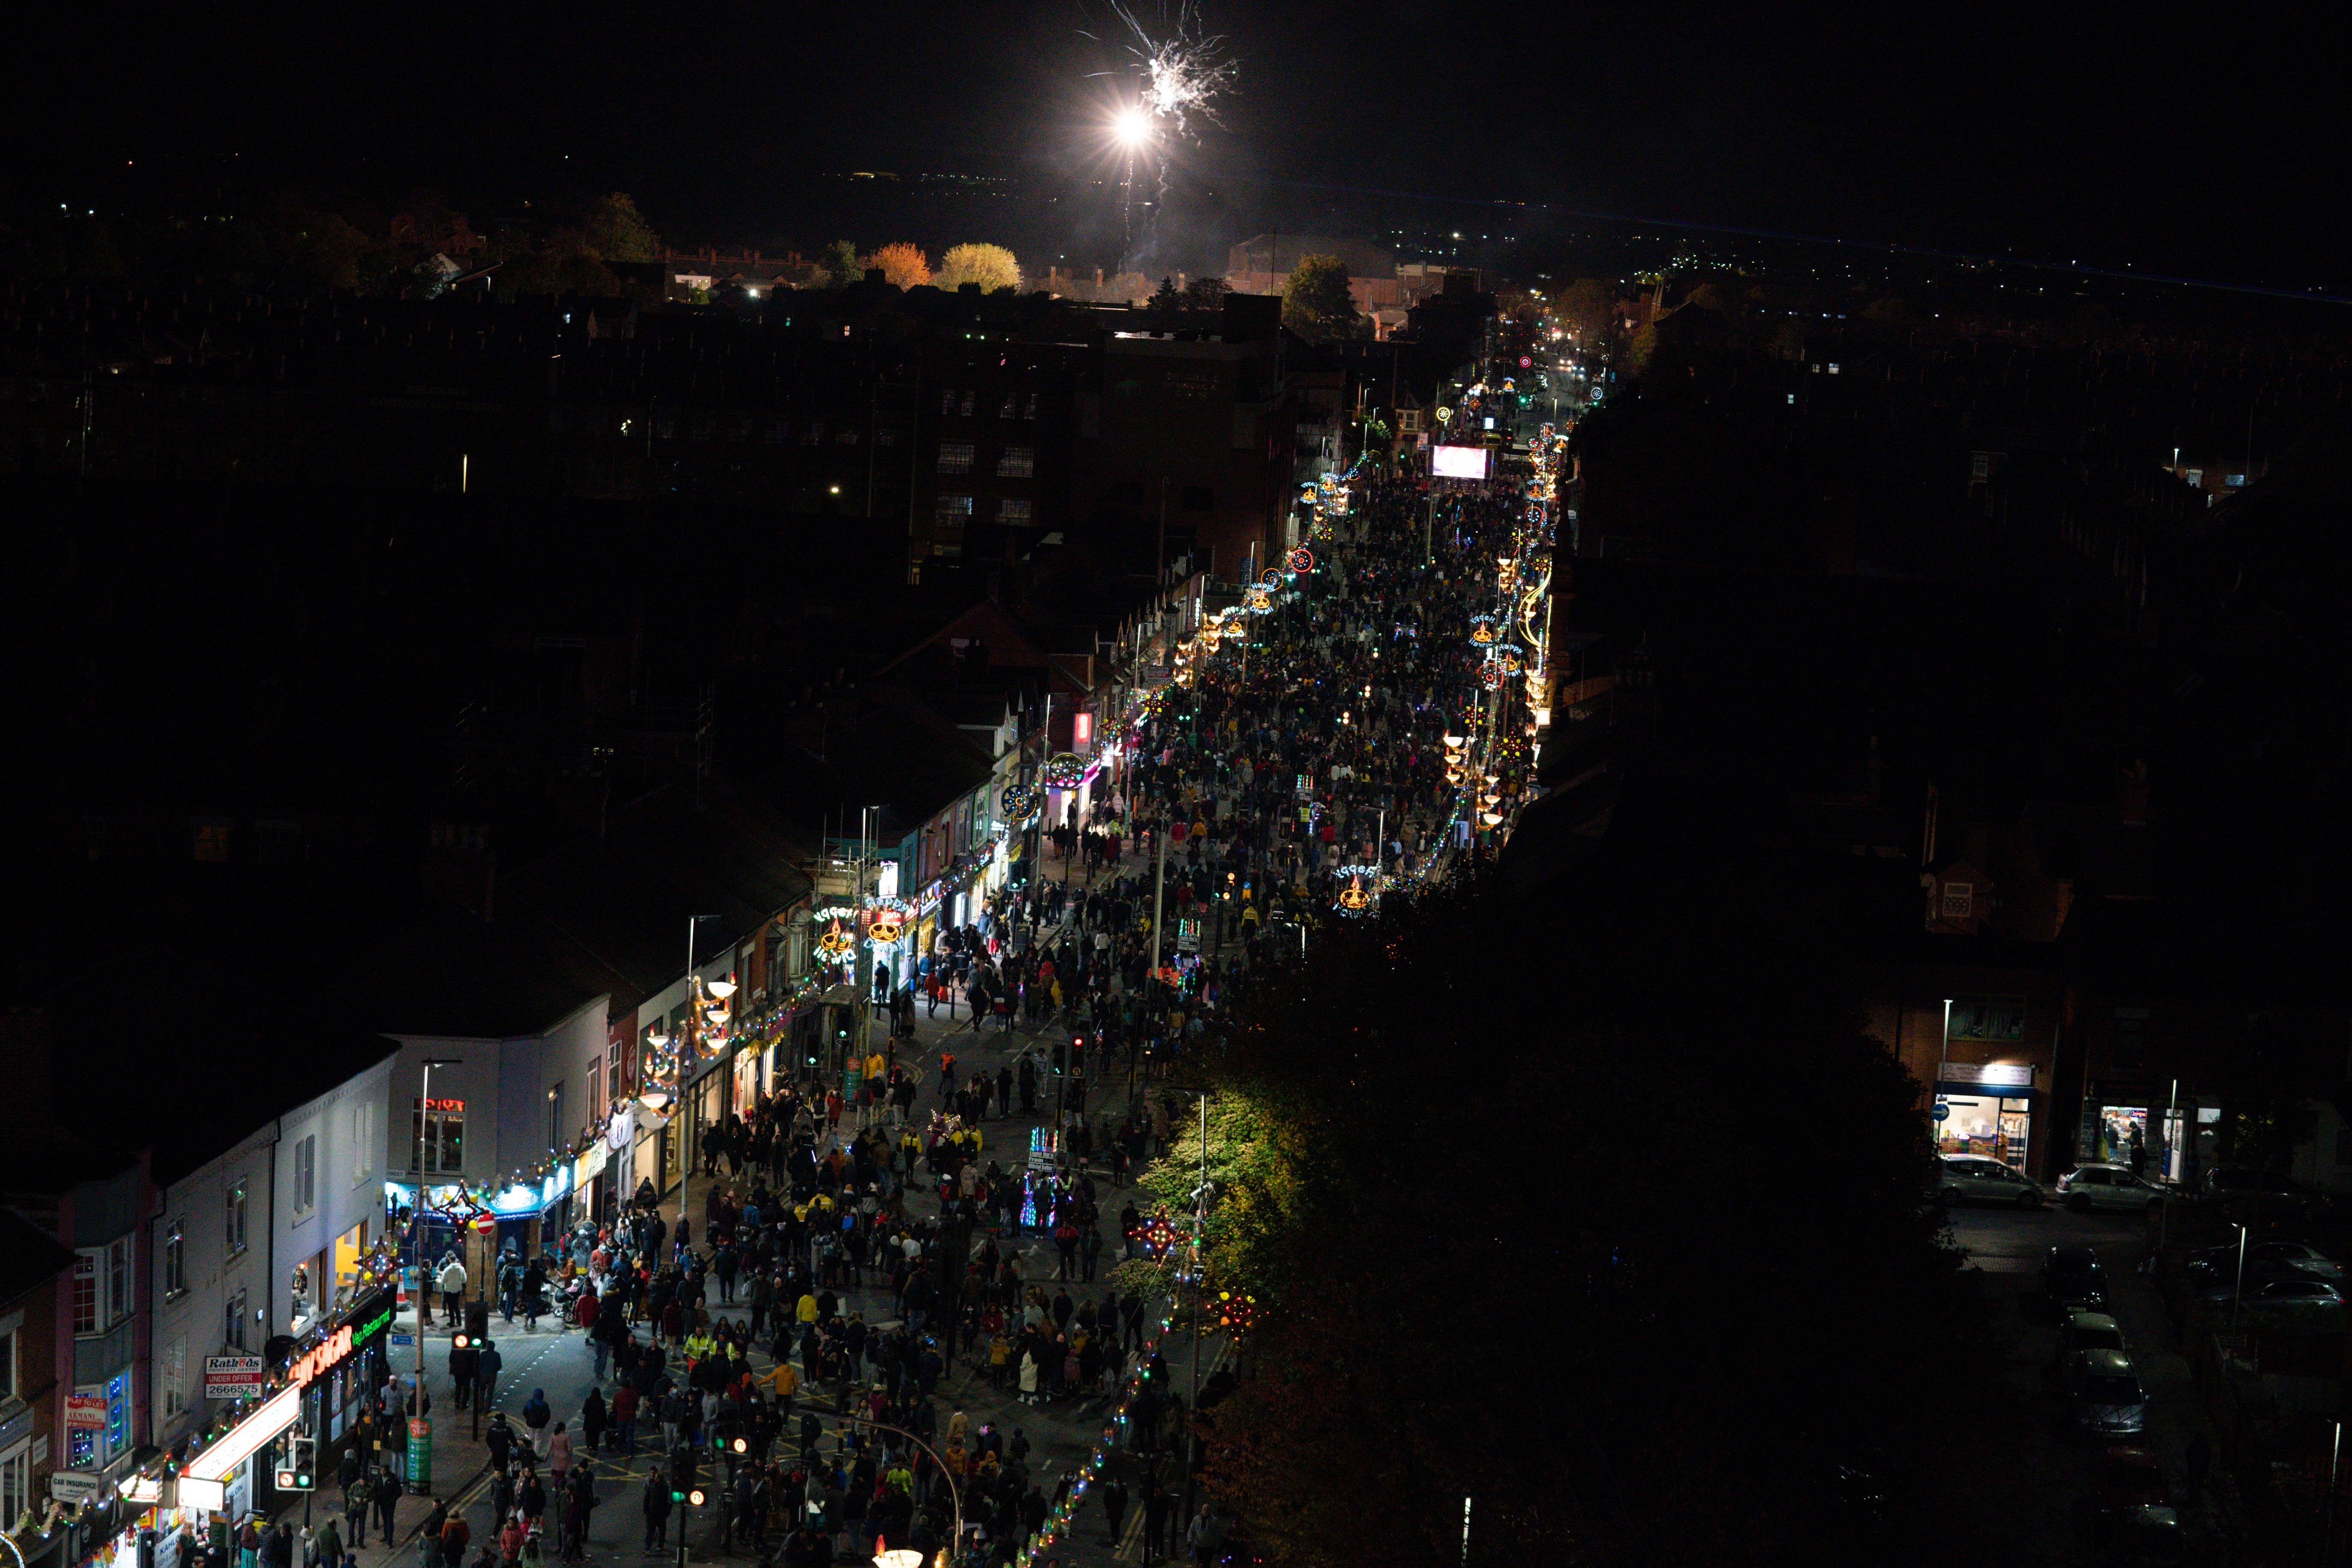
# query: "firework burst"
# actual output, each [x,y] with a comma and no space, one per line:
[1184,73]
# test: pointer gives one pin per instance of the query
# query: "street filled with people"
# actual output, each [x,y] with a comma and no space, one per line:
[836,1330]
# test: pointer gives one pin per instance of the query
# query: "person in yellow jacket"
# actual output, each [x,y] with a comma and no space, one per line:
[806,1311]
[783,1382]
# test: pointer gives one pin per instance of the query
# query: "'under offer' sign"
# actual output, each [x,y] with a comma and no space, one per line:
[233,1377]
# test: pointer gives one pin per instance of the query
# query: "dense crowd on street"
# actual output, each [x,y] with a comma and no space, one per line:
[738,1333]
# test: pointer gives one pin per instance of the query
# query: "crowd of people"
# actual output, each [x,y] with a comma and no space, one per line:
[737,1337]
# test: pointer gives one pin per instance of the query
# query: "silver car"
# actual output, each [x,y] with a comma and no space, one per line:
[2108,1187]
[2105,1395]
[1973,1178]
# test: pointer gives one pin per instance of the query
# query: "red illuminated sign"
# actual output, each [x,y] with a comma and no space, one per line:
[458,1105]
[1082,734]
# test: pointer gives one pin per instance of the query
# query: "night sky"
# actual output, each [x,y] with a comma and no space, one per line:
[2196,141]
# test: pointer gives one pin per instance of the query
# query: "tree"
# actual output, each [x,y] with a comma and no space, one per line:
[1316,303]
[1206,294]
[1516,1250]
[842,266]
[1165,301]
[617,231]
[904,266]
[1588,309]
[990,266]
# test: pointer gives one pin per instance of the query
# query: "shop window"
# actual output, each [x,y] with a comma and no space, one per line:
[174,1369]
[234,1220]
[1988,1017]
[175,1262]
[306,1175]
[955,457]
[1016,462]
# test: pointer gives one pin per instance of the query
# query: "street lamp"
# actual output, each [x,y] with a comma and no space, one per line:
[2238,1295]
[420,1425]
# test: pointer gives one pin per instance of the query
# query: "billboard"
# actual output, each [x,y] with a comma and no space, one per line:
[1457,462]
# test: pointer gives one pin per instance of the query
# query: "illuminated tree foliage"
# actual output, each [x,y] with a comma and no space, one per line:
[990,266]
[904,266]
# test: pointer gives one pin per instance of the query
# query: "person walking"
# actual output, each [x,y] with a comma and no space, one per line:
[1114,1505]
[657,1511]
[385,1494]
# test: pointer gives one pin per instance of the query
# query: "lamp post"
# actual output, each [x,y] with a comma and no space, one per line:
[2238,1295]
[1942,1055]
[420,1425]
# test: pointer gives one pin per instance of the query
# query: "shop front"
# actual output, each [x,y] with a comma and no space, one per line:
[1988,1110]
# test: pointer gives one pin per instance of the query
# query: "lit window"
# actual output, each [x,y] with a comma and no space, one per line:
[947,400]
[951,513]
[1016,462]
[1015,511]
[955,457]
[442,1132]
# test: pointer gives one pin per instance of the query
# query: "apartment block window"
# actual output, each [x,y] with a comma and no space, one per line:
[555,1138]
[812,434]
[1016,462]
[1997,1018]
[441,1125]
[1029,407]
[175,1260]
[234,1227]
[233,1323]
[947,400]
[615,1084]
[965,406]
[1015,511]
[175,1370]
[101,1287]
[955,457]
[363,1141]
[885,437]
[1005,409]
[951,513]
[595,1082]
[306,1175]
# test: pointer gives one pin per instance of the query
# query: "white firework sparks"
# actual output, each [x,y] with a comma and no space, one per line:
[1184,73]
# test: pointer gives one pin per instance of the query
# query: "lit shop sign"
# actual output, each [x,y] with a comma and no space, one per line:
[282,1409]
[1082,730]
[450,1105]
[1458,462]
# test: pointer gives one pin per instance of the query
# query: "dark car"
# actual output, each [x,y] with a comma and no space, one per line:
[2105,1398]
[2072,1279]
[2259,1194]
[2276,1294]
[2126,1481]
[2265,1261]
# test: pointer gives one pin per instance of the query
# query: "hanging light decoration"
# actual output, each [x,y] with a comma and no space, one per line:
[1021,802]
[1302,559]
[836,945]
[1062,770]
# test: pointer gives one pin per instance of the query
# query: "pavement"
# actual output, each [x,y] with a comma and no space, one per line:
[557,1358]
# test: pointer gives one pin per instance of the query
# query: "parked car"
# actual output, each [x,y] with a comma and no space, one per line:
[2108,1187]
[2072,1279]
[2274,1294]
[2125,1481]
[2265,1260]
[2084,1331]
[2259,1194]
[1973,1178]
[2105,1398]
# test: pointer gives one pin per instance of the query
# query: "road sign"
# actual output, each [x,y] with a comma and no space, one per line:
[233,1377]
[1942,1112]
[404,1341]
[1525,361]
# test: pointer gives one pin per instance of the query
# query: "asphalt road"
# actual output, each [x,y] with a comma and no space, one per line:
[2019,1500]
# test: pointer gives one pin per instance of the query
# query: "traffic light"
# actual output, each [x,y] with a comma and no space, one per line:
[685,1483]
[297,1472]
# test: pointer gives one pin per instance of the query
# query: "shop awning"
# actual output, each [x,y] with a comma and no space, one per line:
[1989,1090]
